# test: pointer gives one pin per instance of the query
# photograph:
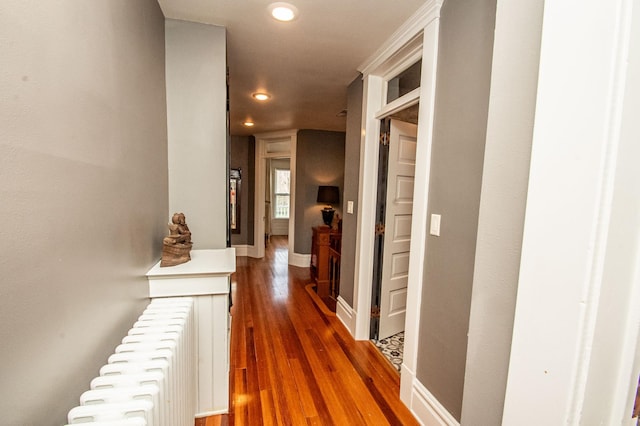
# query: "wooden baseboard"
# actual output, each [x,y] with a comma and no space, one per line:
[311,289]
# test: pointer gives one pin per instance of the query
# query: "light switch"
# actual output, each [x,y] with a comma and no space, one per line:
[350,207]
[435,225]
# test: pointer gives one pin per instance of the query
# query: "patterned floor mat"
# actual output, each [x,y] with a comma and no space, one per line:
[392,348]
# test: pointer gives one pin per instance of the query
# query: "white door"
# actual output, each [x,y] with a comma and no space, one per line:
[397,234]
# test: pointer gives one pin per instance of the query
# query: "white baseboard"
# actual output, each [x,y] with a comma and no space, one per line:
[279,227]
[242,250]
[252,251]
[300,260]
[407,377]
[427,409]
[209,413]
[346,315]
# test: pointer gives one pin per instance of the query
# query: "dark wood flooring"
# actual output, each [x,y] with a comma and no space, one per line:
[293,362]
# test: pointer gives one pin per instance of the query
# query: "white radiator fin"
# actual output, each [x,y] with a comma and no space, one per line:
[150,378]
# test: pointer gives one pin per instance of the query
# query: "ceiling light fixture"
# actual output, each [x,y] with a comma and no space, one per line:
[261,96]
[284,12]
[249,123]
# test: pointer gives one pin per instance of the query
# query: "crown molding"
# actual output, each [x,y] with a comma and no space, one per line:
[408,32]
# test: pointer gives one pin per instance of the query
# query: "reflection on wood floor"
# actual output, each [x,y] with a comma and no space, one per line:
[293,365]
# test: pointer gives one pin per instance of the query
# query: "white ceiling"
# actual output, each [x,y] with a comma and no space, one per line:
[306,65]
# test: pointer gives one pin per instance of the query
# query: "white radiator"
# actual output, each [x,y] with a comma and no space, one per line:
[151,377]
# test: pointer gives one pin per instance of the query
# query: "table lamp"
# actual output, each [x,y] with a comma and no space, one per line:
[328,195]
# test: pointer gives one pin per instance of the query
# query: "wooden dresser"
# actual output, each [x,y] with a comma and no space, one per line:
[325,260]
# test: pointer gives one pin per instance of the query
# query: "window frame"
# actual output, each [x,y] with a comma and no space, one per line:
[277,194]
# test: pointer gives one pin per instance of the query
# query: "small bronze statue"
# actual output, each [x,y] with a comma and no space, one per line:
[177,246]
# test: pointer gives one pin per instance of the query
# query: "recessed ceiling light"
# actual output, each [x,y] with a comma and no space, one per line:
[249,123]
[261,96]
[284,12]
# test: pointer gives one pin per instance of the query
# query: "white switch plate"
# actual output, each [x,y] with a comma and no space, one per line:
[350,207]
[435,225]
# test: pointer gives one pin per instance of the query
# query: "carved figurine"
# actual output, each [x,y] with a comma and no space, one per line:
[177,245]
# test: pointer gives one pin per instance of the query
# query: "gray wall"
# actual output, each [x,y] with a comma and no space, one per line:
[319,161]
[462,96]
[83,190]
[353,140]
[197,129]
[502,206]
[242,154]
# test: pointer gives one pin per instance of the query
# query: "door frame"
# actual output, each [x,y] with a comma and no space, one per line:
[380,211]
[273,145]
[271,168]
[418,38]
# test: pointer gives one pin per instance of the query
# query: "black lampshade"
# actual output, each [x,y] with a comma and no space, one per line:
[328,195]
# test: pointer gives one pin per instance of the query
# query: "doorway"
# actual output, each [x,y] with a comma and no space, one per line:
[277,197]
[273,146]
[396,175]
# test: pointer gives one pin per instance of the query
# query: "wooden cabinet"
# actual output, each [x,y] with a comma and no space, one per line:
[325,260]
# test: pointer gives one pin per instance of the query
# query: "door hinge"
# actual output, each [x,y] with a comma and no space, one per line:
[379,229]
[384,138]
[375,312]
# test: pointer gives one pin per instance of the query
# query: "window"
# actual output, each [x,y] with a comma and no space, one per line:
[404,82]
[281,194]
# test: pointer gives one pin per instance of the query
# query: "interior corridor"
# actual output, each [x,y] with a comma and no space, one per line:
[292,364]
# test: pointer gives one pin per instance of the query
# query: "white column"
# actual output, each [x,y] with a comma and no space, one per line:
[576,186]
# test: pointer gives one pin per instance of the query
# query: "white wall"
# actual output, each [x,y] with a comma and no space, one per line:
[196,121]
[83,192]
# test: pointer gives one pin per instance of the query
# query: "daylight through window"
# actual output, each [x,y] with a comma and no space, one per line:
[281,193]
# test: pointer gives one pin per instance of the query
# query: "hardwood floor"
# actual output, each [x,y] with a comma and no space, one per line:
[292,363]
